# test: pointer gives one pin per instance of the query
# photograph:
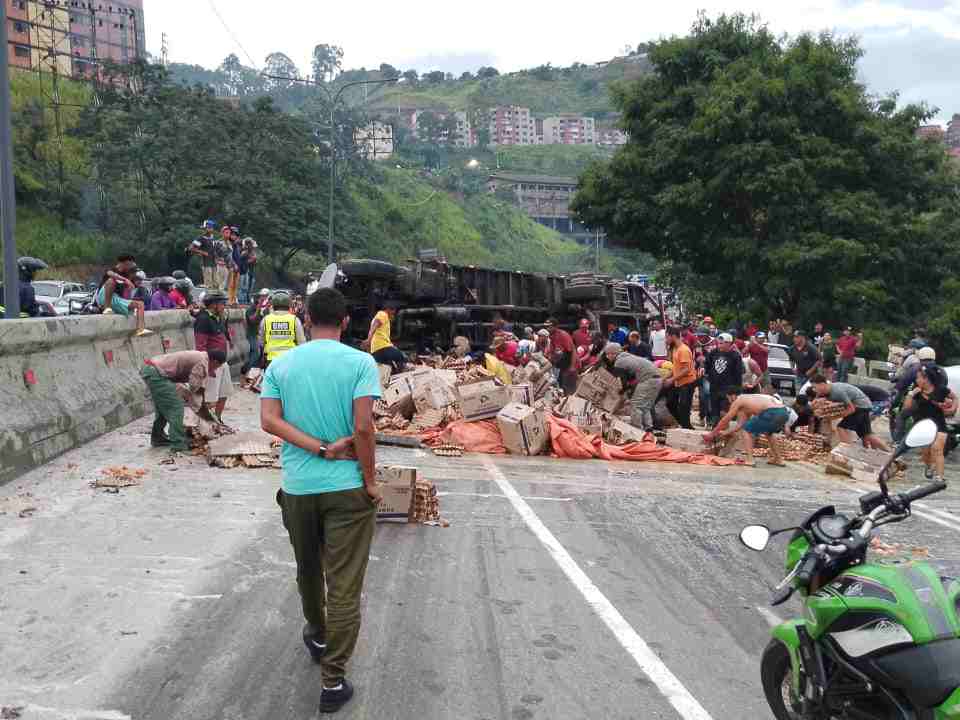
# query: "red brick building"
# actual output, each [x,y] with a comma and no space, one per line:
[71,35]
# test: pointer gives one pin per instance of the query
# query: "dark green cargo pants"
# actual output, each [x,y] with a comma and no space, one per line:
[168,405]
[331,535]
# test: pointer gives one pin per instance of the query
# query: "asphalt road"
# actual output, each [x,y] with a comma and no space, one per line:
[561,589]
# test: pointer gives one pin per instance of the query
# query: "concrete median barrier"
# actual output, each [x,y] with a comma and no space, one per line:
[70,379]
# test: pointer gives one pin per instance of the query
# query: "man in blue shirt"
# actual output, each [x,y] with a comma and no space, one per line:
[318,398]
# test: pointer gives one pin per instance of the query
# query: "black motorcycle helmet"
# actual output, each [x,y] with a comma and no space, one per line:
[179,275]
[29,266]
[166,283]
[213,297]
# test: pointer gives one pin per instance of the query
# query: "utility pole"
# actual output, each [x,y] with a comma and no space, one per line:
[598,253]
[164,50]
[8,219]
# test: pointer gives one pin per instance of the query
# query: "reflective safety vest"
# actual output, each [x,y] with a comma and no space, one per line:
[280,334]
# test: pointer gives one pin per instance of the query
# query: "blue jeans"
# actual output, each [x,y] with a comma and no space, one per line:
[247,281]
[253,358]
[843,369]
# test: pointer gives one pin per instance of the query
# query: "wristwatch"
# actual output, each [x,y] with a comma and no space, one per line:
[322,452]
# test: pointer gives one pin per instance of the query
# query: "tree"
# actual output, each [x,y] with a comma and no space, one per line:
[411,76]
[280,66]
[436,77]
[487,72]
[764,167]
[167,155]
[467,75]
[327,60]
[388,71]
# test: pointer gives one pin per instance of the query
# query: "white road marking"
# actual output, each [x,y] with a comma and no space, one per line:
[494,495]
[77,714]
[770,616]
[653,667]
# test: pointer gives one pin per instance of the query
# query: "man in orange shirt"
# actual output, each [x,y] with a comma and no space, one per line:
[680,385]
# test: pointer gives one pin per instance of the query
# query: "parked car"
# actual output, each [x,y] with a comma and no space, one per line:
[782,375]
[53,290]
[72,303]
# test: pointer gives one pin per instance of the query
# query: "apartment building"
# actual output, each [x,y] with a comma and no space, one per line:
[374,141]
[933,132]
[952,135]
[569,129]
[512,125]
[71,35]
[611,137]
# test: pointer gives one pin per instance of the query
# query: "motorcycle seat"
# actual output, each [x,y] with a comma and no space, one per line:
[925,674]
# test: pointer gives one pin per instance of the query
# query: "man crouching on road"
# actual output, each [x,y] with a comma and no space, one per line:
[318,398]
[171,378]
[756,415]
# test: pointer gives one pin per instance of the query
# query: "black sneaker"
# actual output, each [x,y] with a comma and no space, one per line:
[160,441]
[315,641]
[928,472]
[333,700]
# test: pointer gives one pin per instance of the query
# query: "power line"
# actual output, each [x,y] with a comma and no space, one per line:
[232,35]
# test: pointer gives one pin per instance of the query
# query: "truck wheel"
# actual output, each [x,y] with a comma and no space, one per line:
[375,269]
[776,674]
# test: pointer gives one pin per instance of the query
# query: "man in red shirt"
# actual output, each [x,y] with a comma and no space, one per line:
[847,346]
[565,357]
[760,354]
[581,336]
[505,350]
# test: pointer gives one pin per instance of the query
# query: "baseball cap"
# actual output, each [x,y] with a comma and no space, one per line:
[265,291]
[725,337]
[927,353]
[760,335]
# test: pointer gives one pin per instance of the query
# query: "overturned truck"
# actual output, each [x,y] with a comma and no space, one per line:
[438,301]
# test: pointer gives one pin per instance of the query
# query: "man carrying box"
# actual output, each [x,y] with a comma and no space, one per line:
[315,394]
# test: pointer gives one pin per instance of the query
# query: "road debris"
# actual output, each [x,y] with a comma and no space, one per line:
[19,503]
[11,712]
[448,449]
[114,478]
[253,449]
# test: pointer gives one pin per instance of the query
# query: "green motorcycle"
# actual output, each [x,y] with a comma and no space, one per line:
[876,642]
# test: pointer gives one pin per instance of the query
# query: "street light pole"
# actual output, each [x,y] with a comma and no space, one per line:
[8,209]
[333,99]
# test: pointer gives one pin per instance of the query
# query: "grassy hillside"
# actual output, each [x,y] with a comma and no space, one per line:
[583,89]
[401,212]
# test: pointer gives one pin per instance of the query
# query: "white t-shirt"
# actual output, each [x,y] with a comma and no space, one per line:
[658,343]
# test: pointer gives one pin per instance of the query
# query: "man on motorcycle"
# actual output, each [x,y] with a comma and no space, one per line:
[932,399]
[756,415]
[27,268]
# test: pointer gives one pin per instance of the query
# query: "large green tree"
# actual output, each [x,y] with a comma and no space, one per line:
[761,168]
[168,157]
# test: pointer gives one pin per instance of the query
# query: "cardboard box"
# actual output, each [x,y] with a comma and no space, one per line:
[523,428]
[434,396]
[619,432]
[687,440]
[447,376]
[521,394]
[397,485]
[574,405]
[483,400]
[401,387]
[602,389]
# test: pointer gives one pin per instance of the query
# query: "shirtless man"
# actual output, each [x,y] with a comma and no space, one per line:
[756,415]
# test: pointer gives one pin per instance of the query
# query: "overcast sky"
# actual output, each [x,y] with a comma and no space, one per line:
[913,46]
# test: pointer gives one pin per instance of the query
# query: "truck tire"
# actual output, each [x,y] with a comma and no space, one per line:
[580,293]
[371,269]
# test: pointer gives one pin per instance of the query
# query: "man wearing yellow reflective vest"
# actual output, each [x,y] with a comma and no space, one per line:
[280,330]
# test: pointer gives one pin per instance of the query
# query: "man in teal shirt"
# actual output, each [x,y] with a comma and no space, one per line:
[318,398]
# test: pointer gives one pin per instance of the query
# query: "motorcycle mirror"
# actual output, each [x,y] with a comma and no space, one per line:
[755,537]
[922,434]
[782,596]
